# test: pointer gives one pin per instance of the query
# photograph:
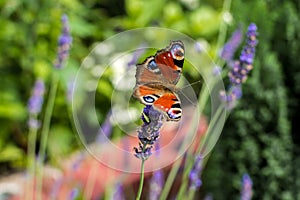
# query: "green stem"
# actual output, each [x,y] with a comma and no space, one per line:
[223,26]
[45,132]
[201,148]
[141,181]
[31,162]
[176,165]
[174,170]
[190,160]
[202,103]
[170,179]
[191,194]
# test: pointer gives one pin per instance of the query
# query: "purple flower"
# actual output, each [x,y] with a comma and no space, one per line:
[156,185]
[246,193]
[233,94]
[105,130]
[208,197]
[136,54]
[148,133]
[70,90]
[36,100]
[195,181]
[73,194]
[119,192]
[64,43]
[217,70]
[231,46]
[199,47]
[77,162]
[55,188]
[33,123]
[240,69]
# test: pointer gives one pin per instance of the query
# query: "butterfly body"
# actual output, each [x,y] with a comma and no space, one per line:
[156,80]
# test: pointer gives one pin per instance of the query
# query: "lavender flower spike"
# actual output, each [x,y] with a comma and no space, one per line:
[246,193]
[35,103]
[64,43]
[156,185]
[119,193]
[231,46]
[148,133]
[36,100]
[195,181]
[241,68]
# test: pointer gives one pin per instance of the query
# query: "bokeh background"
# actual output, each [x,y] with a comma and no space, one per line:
[261,135]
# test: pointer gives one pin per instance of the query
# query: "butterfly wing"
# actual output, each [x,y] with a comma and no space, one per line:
[148,72]
[170,61]
[164,68]
[156,78]
[169,104]
[162,99]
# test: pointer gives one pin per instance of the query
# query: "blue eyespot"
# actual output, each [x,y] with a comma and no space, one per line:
[152,65]
[148,99]
[177,52]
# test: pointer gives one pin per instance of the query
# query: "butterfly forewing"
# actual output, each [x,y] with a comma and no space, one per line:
[156,78]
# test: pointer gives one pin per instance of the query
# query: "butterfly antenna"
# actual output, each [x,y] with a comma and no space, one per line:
[189,85]
[194,83]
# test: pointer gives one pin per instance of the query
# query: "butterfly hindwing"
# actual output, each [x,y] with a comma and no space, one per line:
[162,99]
[169,104]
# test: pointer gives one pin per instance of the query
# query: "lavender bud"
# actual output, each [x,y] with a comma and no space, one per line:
[64,43]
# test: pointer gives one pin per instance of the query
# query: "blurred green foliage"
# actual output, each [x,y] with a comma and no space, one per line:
[260,136]
[259,133]
[28,48]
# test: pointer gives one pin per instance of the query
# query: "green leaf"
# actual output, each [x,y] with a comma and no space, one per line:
[11,153]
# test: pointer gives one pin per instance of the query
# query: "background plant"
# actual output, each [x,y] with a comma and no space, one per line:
[261,134]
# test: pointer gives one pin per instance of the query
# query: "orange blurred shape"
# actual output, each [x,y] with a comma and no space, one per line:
[92,177]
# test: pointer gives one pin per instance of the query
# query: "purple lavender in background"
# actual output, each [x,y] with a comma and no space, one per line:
[246,193]
[231,46]
[64,43]
[119,192]
[217,70]
[36,100]
[70,90]
[240,69]
[198,47]
[79,159]
[156,185]
[233,94]
[195,181]
[136,54]
[35,103]
[73,194]
[148,133]
[55,188]
[105,130]
[33,123]
[208,197]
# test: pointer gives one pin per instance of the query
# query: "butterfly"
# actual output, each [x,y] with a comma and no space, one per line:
[156,80]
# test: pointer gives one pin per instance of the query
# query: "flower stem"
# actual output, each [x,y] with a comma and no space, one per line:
[171,177]
[31,162]
[141,181]
[45,132]
[223,26]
